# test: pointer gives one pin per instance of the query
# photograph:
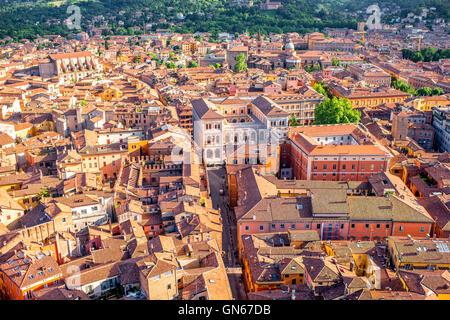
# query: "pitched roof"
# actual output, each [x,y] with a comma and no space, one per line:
[70,55]
[383,208]
[438,209]
[5,139]
[303,235]
[204,110]
[319,271]
[268,107]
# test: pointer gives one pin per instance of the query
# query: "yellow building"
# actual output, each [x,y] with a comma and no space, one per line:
[365,97]
[11,211]
[427,103]
[354,255]
[28,197]
[122,58]
[271,77]
[299,237]
[13,182]
[137,147]
[42,127]
[189,47]
[293,272]
[110,94]
[427,282]
[23,130]
[409,253]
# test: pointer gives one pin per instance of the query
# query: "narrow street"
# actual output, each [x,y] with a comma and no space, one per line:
[217,181]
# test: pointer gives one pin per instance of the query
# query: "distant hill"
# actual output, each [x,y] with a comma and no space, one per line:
[29,19]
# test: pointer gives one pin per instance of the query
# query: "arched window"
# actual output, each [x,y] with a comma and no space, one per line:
[209,154]
[217,153]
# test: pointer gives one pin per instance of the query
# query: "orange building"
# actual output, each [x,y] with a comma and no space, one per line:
[110,93]
[376,218]
[106,160]
[22,272]
[261,271]
[137,147]
[344,152]
[368,97]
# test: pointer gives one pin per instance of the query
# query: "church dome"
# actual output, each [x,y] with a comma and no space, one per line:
[290,46]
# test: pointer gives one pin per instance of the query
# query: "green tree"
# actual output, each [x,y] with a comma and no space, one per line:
[335,62]
[428,54]
[137,59]
[319,87]
[43,193]
[437,91]
[241,65]
[416,57]
[312,68]
[171,65]
[425,91]
[214,35]
[401,85]
[192,64]
[335,111]
[130,31]
[293,121]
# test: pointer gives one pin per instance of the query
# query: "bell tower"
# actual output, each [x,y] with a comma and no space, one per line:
[259,43]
